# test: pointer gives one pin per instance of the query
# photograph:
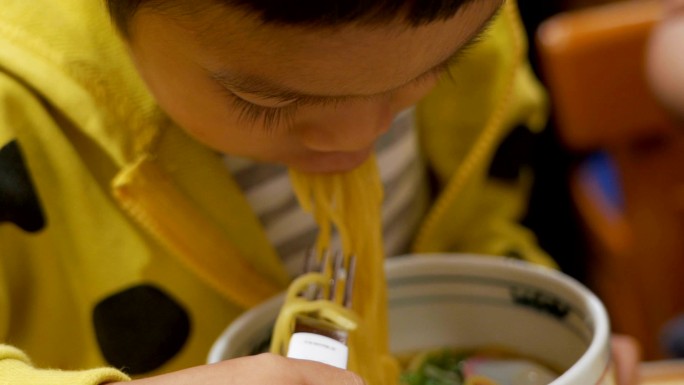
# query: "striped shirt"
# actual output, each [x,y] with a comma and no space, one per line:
[292,231]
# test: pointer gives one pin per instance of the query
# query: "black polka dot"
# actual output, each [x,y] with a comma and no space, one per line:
[512,154]
[18,199]
[140,328]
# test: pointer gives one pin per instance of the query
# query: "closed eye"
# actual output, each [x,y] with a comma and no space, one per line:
[269,118]
[272,118]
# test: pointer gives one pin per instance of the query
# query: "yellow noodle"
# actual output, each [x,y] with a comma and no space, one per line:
[349,203]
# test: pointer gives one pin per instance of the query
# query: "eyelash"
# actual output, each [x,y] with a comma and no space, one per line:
[271,117]
[443,69]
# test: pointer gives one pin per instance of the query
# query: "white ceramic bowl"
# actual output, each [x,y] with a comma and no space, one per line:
[466,301]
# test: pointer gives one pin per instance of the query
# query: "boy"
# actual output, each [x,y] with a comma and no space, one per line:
[141,213]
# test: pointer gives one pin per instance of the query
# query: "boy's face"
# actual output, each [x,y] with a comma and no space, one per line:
[312,98]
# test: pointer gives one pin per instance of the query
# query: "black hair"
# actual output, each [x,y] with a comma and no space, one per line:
[314,12]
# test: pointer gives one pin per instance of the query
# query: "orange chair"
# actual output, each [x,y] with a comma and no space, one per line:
[592,62]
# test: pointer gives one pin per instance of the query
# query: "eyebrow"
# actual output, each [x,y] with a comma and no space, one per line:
[264,88]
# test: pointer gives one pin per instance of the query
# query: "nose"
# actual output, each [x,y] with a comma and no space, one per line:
[344,127]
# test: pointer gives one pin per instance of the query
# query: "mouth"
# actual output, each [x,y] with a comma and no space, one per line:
[331,162]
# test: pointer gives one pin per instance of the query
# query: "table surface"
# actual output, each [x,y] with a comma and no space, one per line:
[668,372]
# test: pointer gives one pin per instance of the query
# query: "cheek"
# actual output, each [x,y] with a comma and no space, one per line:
[185,94]
[208,115]
[197,113]
[197,106]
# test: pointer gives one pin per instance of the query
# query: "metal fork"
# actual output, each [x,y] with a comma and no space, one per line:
[314,338]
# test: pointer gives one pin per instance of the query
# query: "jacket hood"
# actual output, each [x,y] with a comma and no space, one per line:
[93,84]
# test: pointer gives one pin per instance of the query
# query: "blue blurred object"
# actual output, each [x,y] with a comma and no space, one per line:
[600,169]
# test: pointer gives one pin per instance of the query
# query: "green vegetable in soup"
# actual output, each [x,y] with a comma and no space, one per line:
[481,366]
[437,367]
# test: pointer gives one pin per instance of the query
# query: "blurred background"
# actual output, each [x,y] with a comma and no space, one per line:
[608,201]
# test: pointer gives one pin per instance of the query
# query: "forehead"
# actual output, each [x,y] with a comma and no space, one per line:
[354,59]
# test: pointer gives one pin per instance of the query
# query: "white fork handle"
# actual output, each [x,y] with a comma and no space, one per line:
[315,347]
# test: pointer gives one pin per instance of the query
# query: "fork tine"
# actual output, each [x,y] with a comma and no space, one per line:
[340,271]
[313,264]
[349,281]
[327,270]
[309,260]
[337,277]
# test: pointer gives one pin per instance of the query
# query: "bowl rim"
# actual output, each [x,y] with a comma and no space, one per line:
[598,347]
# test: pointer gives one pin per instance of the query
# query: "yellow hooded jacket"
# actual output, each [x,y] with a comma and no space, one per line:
[126,245]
